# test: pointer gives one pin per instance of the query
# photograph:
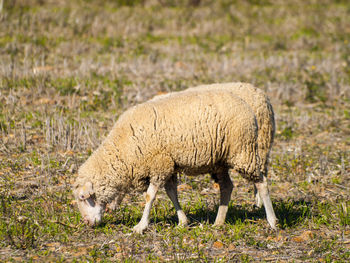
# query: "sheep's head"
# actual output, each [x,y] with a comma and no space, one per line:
[89,208]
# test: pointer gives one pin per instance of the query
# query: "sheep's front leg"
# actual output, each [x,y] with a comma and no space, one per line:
[171,190]
[150,197]
[115,203]
[263,191]
[226,187]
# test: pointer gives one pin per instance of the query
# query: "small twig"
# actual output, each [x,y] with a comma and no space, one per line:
[251,220]
[64,224]
[340,186]
[331,191]
[24,137]
[104,243]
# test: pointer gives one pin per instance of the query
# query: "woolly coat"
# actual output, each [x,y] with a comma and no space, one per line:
[193,132]
[260,104]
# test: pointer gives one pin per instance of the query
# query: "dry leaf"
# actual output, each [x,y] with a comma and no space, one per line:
[44,101]
[276,239]
[53,246]
[181,65]
[81,251]
[231,247]
[69,153]
[216,186]
[218,245]
[305,236]
[42,69]
[183,187]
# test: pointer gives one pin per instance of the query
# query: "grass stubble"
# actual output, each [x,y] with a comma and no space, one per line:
[69,68]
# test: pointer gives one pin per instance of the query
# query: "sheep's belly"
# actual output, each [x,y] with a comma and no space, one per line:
[192,171]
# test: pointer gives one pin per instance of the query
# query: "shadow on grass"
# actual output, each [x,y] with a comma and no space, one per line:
[292,212]
[289,213]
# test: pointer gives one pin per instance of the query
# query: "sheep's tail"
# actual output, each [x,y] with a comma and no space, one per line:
[248,161]
[252,171]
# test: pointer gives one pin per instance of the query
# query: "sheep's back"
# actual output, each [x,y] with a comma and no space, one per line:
[198,130]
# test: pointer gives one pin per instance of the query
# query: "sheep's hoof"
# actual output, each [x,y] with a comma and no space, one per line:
[181,225]
[273,223]
[139,228]
[219,221]
[274,227]
[182,218]
[218,224]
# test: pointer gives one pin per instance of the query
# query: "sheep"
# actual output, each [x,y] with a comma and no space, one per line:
[198,132]
[264,114]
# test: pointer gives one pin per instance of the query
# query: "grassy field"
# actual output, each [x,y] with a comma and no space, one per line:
[68,68]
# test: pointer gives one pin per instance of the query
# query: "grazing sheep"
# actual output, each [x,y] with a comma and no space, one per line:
[191,132]
[264,114]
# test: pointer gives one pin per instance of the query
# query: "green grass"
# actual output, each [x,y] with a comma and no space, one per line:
[68,69]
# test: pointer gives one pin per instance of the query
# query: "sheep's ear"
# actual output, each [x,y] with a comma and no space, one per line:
[85,191]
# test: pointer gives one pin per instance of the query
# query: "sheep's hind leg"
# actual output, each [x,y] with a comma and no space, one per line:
[263,191]
[171,190]
[226,187]
[150,197]
[258,200]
